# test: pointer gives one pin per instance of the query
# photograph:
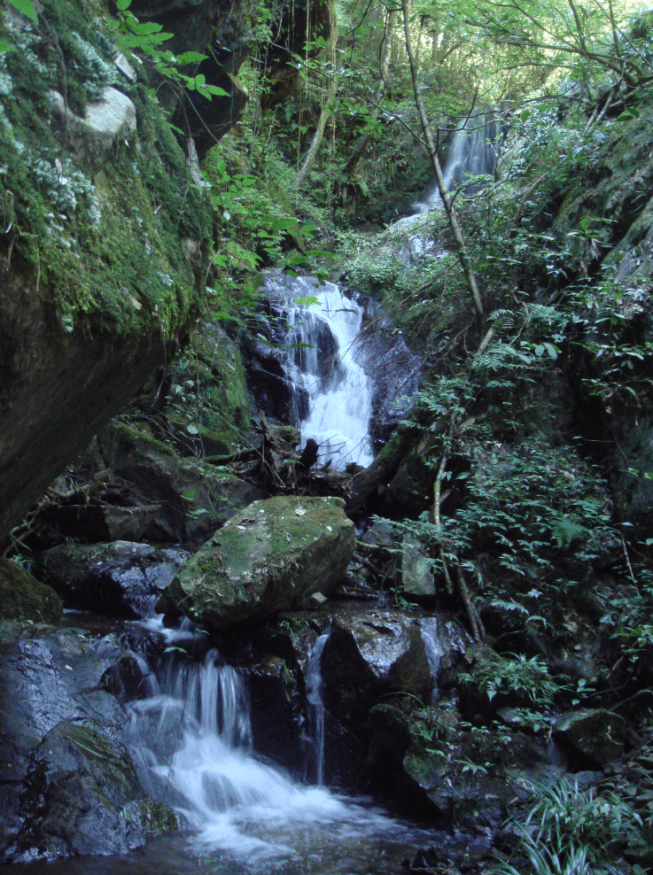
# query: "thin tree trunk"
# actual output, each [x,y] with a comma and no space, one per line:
[327,109]
[461,246]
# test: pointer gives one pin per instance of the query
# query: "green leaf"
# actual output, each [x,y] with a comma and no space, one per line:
[145,27]
[26,7]
[219,92]
[123,4]
[5,46]
[190,57]
[310,299]
[282,224]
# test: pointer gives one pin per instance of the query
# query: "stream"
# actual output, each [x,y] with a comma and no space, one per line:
[190,739]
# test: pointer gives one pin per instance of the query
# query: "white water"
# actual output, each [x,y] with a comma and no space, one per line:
[191,742]
[332,394]
[314,696]
[471,154]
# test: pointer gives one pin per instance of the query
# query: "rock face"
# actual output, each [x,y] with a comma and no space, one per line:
[97,284]
[67,786]
[191,497]
[93,136]
[265,559]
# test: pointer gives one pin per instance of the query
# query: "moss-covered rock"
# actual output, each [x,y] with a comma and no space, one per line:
[193,497]
[101,270]
[24,598]
[266,558]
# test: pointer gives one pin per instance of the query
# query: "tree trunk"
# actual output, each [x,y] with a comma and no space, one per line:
[461,246]
[327,109]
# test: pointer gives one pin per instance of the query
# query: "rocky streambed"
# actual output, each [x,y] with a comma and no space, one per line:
[258,734]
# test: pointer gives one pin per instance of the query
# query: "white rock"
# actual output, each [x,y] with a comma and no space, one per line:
[92,137]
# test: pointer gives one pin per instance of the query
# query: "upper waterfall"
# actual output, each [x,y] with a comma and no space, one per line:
[331,393]
[471,154]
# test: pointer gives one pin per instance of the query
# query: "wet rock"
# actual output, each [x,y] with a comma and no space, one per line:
[24,598]
[277,715]
[128,679]
[67,785]
[466,778]
[121,579]
[371,652]
[595,733]
[270,556]
[195,497]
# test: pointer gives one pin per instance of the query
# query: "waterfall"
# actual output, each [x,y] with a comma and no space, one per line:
[314,696]
[471,153]
[331,393]
[191,743]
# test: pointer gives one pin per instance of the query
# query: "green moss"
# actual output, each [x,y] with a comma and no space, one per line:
[131,437]
[24,598]
[157,817]
[107,252]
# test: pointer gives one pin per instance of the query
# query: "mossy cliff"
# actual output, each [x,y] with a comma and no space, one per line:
[104,243]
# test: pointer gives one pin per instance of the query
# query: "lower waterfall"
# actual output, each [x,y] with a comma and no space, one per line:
[191,742]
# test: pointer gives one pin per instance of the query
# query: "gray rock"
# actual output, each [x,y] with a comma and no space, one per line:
[122,578]
[67,785]
[93,136]
[270,556]
[416,569]
[371,652]
[595,733]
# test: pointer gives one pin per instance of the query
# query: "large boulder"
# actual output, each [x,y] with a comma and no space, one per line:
[270,556]
[67,785]
[101,272]
[373,652]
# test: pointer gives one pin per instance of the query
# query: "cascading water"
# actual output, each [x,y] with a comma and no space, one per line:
[472,153]
[314,696]
[331,393]
[191,742]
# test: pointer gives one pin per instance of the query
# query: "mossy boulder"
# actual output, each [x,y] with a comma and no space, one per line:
[267,558]
[102,271]
[24,598]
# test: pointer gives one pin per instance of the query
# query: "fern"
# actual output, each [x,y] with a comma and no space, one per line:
[565,531]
